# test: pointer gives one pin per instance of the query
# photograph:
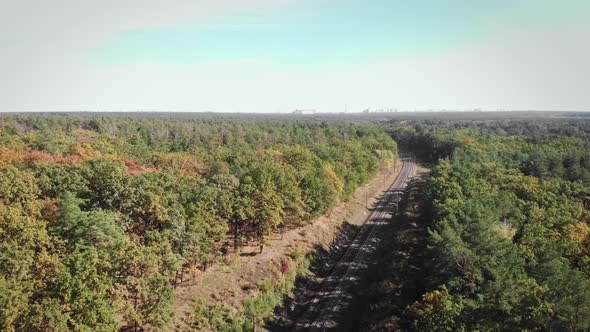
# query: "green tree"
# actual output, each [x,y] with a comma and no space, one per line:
[144,289]
[82,229]
[84,293]
[25,258]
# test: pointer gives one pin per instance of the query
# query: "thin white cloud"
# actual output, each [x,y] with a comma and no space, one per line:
[535,68]
[75,24]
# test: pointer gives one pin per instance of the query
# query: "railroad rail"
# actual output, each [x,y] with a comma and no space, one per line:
[329,301]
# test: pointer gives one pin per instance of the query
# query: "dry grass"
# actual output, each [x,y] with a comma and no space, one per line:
[235,278]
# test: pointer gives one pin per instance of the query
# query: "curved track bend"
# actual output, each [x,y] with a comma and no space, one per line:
[334,294]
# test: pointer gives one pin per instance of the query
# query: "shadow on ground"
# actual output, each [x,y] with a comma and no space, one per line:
[295,305]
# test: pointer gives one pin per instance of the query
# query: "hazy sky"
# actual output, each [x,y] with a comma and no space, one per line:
[279,55]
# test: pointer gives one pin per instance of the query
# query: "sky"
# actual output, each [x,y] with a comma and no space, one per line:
[282,55]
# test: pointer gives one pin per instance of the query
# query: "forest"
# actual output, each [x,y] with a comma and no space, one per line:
[100,217]
[503,219]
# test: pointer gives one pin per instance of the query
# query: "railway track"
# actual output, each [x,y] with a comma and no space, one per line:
[334,294]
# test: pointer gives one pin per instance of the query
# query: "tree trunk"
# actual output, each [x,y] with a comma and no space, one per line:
[135,308]
[235,235]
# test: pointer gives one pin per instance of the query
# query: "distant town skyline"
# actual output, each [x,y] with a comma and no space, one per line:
[282,55]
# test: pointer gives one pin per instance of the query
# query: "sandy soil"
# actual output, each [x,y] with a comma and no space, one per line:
[233,281]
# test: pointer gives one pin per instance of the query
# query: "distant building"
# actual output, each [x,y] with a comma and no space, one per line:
[307,111]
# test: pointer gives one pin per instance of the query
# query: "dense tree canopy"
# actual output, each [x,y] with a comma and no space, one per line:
[100,216]
[507,230]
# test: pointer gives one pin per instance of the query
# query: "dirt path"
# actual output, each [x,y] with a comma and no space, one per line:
[233,281]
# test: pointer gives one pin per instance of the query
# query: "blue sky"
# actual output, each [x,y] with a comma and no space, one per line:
[310,34]
[278,55]
[323,33]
